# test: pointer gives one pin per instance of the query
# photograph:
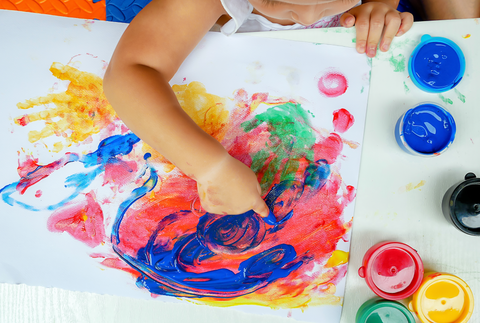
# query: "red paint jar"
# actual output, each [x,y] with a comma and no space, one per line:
[392,270]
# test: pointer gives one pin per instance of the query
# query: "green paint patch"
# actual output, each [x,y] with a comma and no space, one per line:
[401,44]
[354,40]
[445,100]
[405,87]
[398,63]
[363,88]
[460,96]
[291,139]
[311,113]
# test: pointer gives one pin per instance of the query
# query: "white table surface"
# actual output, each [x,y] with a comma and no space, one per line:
[388,206]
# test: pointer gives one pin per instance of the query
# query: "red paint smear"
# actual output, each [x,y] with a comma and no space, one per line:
[329,148]
[23,121]
[314,230]
[332,84]
[38,193]
[119,264]
[83,220]
[120,173]
[25,170]
[342,120]
[98,255]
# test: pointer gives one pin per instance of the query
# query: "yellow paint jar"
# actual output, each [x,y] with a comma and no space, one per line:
[442,298]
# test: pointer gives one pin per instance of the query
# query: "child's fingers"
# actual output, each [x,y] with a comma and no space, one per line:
[377,23]
[392,24]
[407,23]
[362,25]
[347,20]
[261,208]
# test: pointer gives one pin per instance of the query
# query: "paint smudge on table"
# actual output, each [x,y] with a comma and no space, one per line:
[445,100]
[466,36]
[411,186]
[397,62]
[288,260]
[460,96]
[405,87]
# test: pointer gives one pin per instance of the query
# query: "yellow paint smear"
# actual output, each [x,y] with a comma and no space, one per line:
[410,186]
[58,146]
[207,110]
[466,36]
[338,258]
[304,293]
[83,108]
[422,182]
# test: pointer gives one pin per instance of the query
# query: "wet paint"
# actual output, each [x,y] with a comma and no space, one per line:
[426,130]
[443,298]
[332,84]
[392,270]
[170,246]
[378,310]
[436,65]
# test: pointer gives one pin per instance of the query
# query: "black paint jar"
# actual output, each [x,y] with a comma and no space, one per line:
[461,205]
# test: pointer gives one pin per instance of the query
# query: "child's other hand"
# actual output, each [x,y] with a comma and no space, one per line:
[230,187]
[371,19]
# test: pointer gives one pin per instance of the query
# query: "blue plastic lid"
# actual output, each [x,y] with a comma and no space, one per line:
[437,64]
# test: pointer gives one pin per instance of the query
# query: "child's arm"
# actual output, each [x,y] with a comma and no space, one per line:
[136,83]
[373,18]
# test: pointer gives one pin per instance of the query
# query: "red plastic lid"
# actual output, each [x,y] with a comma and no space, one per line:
[393,270]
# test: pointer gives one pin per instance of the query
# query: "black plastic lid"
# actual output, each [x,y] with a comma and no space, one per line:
[465,205]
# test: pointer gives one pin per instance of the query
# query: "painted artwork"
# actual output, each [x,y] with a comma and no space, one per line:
[86,205]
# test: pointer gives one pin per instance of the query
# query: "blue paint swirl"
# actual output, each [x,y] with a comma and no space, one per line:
[165,270]
[108,151]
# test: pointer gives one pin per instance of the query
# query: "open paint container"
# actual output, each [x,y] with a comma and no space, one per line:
[378,310]
[436,65]
[392,270]
[461,205]
[426,130]
[442,298]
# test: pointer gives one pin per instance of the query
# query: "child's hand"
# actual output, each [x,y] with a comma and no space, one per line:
[230,187]
[371,20]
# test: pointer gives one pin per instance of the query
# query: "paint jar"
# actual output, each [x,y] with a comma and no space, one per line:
[392,270]
[426,130]
[442,298]
[436,65]
[461,205]
[378,310]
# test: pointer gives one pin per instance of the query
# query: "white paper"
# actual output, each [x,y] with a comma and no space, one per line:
[235,73]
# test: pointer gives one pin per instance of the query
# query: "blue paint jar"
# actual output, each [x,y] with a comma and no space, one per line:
[426,130]
[436,65]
